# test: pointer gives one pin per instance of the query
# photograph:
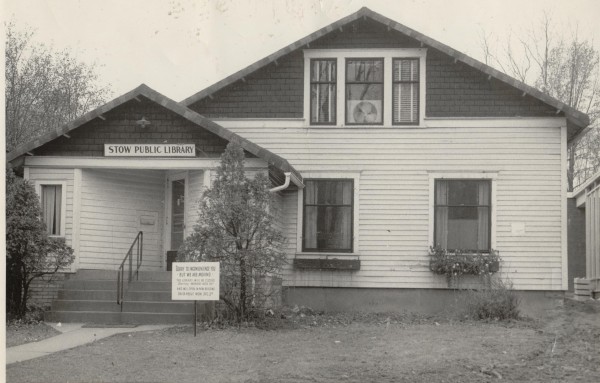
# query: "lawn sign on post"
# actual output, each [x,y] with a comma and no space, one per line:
[197,281]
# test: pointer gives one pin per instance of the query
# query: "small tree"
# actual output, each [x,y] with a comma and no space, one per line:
[30,253]
[235,228]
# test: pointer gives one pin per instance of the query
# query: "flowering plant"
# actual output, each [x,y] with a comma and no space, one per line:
[455,263]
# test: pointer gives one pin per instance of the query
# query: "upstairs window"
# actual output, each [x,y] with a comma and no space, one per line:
[463,214]
[405,101]
[328,215]
[323,77]
[364,91]
[365,87]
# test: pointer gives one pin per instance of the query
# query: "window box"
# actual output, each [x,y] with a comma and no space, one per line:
[327,264]
[456,263]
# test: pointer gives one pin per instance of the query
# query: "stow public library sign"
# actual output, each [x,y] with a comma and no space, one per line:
[149,150]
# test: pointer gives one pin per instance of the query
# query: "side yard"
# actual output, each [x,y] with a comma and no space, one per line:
[350,348]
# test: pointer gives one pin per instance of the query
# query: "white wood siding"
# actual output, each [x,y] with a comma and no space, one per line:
[115,205]
[394,166]
[41,175]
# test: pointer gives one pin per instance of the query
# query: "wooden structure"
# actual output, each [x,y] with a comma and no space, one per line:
[588,197]
[385,142]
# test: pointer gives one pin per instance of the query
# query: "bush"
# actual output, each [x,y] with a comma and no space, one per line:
[498,302]
[30,252]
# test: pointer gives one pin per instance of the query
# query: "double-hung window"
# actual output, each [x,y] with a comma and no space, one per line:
[364,91]
[52,208]
[405,103]
[463,214]
[328,215]
[323,75]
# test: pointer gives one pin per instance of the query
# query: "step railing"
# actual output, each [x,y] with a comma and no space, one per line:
[137,244]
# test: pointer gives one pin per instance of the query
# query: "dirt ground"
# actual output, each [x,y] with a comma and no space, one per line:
[341,348]
[20,333]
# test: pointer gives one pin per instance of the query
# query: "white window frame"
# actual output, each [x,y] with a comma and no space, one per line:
[355,212]
[63,197]
[387,55]
[492,177]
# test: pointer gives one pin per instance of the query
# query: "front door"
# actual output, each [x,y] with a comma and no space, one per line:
[177,216]
[175,211]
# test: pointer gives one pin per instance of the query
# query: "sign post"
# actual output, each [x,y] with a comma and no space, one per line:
[197,281]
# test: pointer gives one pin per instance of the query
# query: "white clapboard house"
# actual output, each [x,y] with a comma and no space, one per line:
[381,142]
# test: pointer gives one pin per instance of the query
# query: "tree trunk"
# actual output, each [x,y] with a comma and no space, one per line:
[13,289]
[243,291]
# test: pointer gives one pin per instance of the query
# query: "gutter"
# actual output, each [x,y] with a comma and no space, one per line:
[288,177]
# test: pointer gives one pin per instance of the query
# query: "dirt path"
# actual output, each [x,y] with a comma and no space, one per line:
[324,349]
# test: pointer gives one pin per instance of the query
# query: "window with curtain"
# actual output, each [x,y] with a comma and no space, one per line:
[328,211]
[323,76]
[405,108]
[364,91]
[463,214]
[51,208]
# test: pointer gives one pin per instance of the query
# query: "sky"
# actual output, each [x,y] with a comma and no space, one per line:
[179,47]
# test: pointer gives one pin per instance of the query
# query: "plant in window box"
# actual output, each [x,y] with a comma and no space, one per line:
[456,263]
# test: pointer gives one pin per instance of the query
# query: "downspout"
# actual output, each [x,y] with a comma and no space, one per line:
[288,176]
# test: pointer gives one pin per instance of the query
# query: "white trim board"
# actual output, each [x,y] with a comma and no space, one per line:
[75,244]
[492,122]
[135,163]
[563,208]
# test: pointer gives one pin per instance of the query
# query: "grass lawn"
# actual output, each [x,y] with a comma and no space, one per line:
[323,348]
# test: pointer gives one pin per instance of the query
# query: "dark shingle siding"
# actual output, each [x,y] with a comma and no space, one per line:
[273,91]
[453,89]
[120,127]
[457,90]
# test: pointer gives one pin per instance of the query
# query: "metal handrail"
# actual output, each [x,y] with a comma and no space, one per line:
[139,241]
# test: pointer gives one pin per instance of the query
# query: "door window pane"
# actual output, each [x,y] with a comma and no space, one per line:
[177,213]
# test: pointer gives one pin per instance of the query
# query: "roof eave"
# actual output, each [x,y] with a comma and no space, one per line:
[145,91]
[576,117]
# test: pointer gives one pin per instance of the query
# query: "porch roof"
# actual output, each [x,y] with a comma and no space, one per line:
[276,162]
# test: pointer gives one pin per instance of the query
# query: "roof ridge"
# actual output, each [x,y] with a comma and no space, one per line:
[579,118]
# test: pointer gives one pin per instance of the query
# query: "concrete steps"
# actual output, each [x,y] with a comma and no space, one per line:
[90,296]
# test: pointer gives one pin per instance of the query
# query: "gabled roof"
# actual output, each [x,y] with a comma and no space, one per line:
[573,115]
[143,90]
